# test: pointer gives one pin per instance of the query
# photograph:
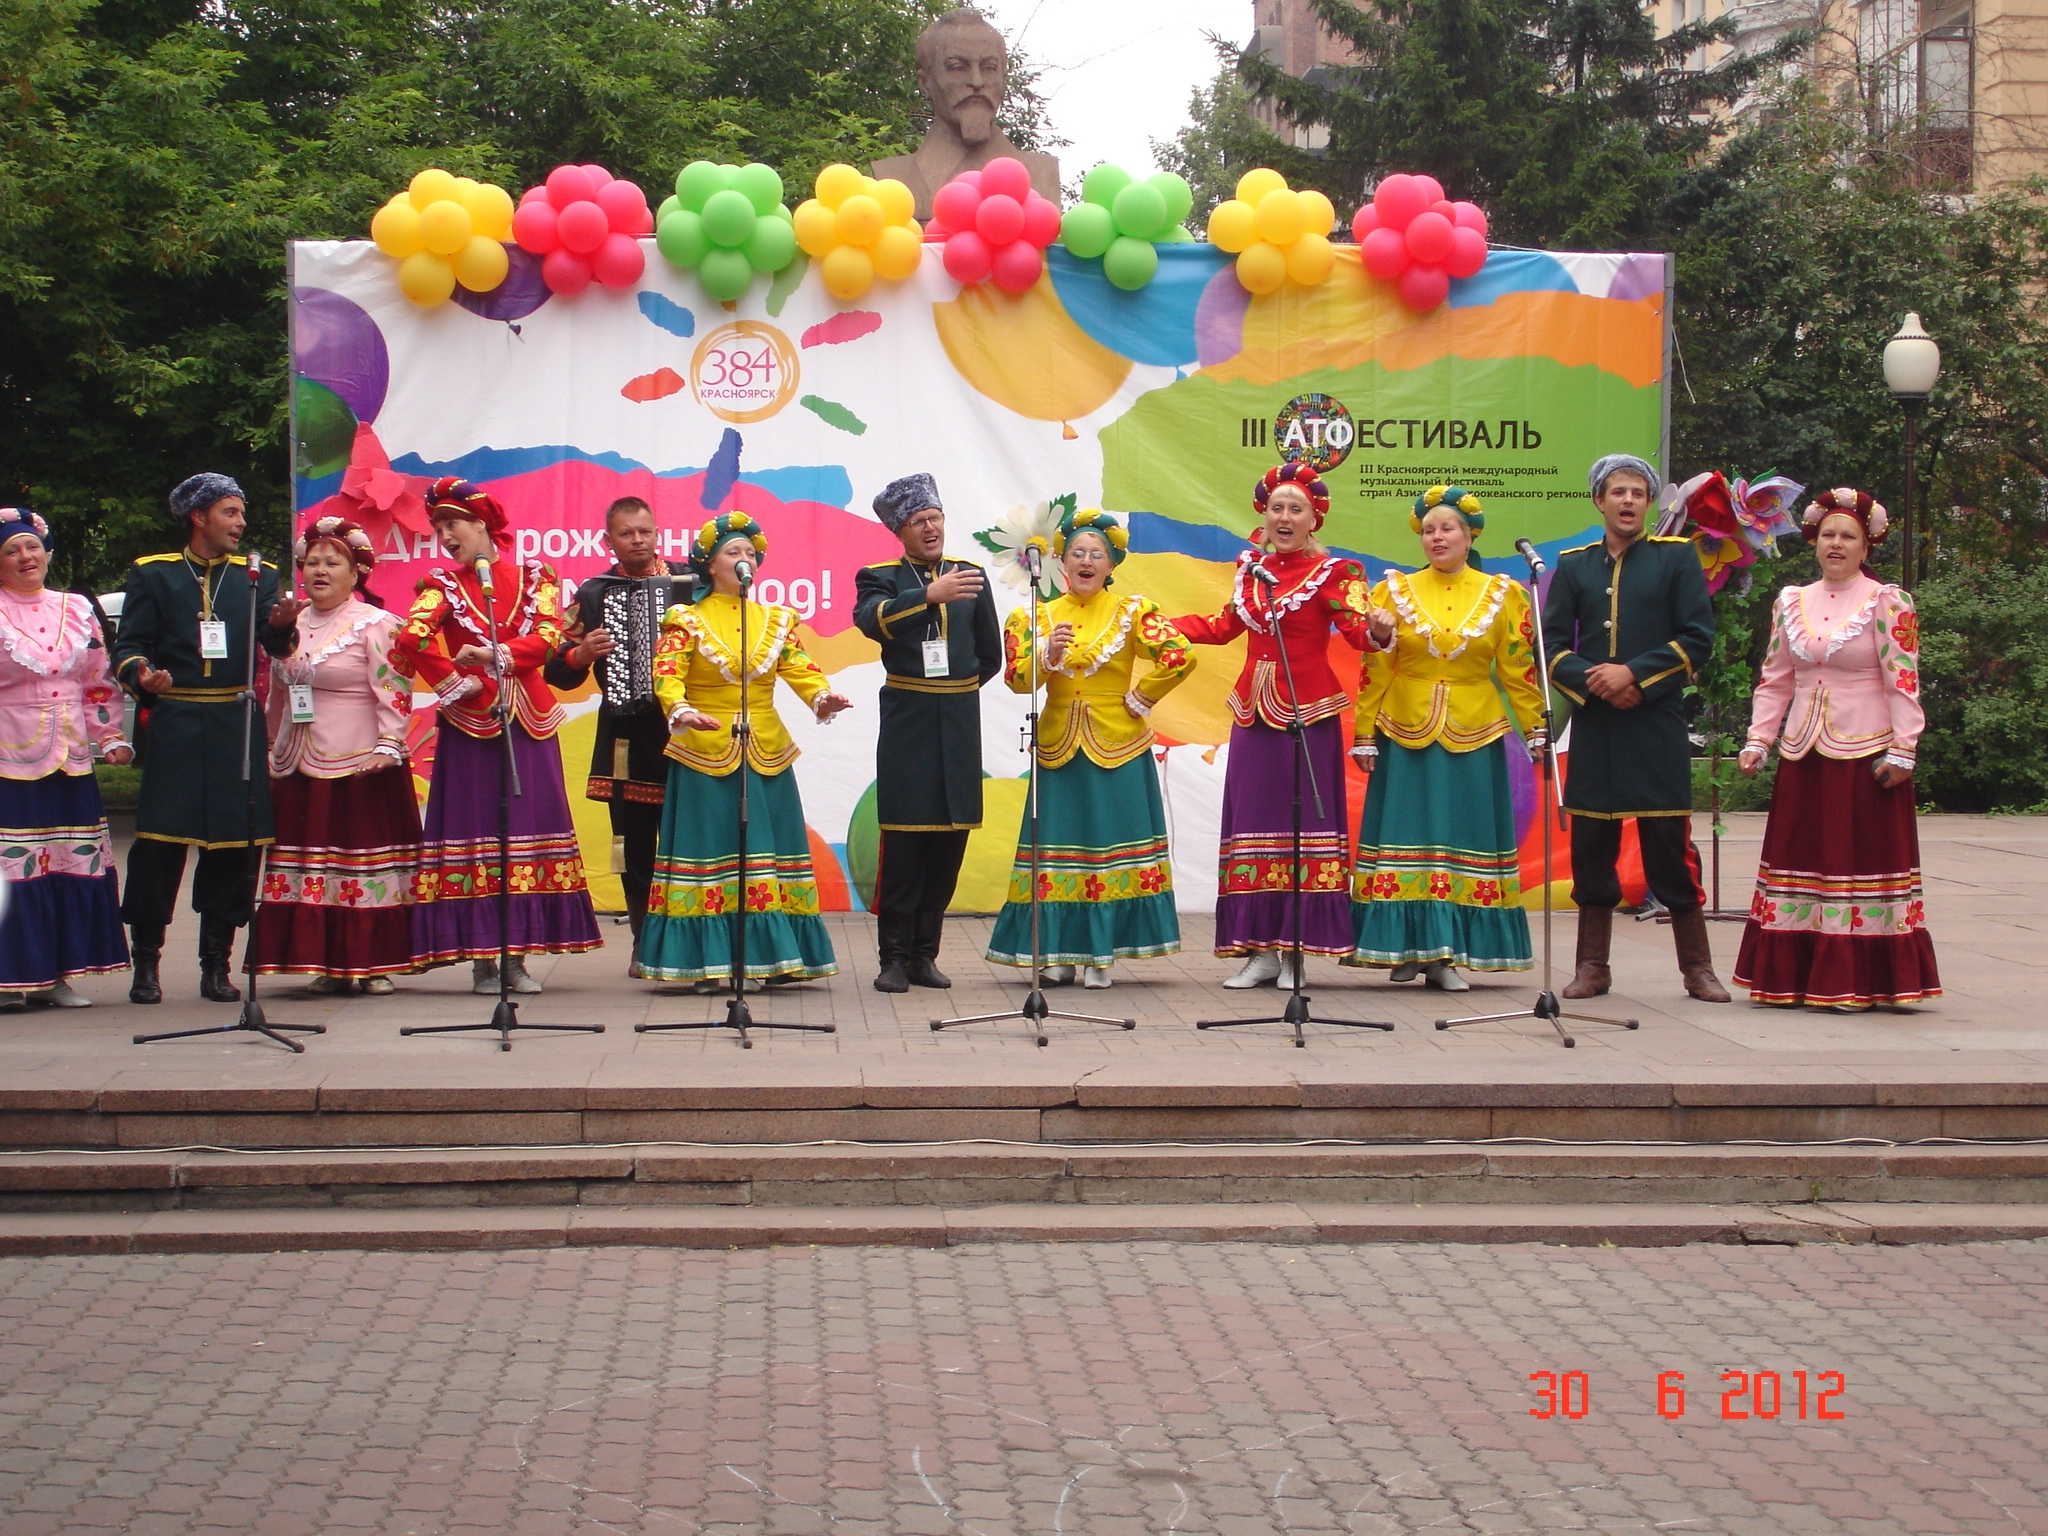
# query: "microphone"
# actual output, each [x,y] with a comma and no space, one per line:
[255,566]
[1528,552]
[1034,560]
[1263,576]
[483,574]
[743,572]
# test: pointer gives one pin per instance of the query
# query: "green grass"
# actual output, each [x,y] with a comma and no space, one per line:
[119,787]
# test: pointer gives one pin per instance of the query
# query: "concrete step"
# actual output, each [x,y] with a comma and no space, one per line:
[962,1176]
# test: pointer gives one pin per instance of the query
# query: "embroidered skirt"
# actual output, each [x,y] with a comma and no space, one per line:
[338,882]
[1838,916]
[63,914]
[690,930]
[1105,878]
[1437,876]
[1254,890]
[455,913]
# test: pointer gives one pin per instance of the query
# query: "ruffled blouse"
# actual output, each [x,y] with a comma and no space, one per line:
[1848,694]
[58,700]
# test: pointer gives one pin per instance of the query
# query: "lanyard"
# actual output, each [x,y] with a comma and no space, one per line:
[206,598]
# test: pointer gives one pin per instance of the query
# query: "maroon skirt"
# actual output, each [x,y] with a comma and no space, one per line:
[338,884]
[1838,915]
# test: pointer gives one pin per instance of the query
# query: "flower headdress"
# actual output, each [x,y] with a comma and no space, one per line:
[714,536]
[1106,525]
[16,521]
[1849,501]
[1295,472]
[1464,503]
[473,502]
[339,531]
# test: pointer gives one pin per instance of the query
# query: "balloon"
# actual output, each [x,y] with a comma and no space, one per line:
[483,205]
[848,272]
[1398,200]
[1311,259]
[396,228]
[1101,185]
[482,264]
[955,204]
[1281,216]
[836,183]
[725,273]
[533,194]
[1252,186]
[1177,235]
[426,279]
[1321,212]
[1384,254]
[1429,238]
[619,262]
[759,185]
[1469,216]
[1041,221]
[697,181]
[1130,263]
[600,178]
[728,218]
[968,258]
[1087,229]
[681,238]
[1140,211]
[1423,288]
[899,251]
[670,204]
[1233,226]
[1364,222]
[445,227]
[537,227]
[1006,177]
[999,219]
[898,205]
[817,228]
[623,204]
[860,220]
[771,246]
[1179,196]
[1261,267]
[569,184]
[1018,266]
[1446,207]
[1468,253]
[565,273]
[1432,190]
[429,187]
[582,227]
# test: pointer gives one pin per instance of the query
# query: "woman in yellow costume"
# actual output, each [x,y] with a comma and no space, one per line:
[1105,876]
[1436,883]
[698,672]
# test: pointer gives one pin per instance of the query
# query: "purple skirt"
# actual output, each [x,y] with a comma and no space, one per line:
[1255,886]
[456,913]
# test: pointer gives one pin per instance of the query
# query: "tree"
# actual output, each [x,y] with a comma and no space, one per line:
[1221,141]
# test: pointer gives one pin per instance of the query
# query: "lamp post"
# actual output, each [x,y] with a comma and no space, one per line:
[1912,364]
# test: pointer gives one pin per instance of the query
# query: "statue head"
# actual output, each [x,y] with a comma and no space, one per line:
[961,64]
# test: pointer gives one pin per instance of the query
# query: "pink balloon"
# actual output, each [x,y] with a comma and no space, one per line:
[999,219]
[569,184]
[1469,216]
[645,224]
[1364,222]
[1018,265]
[534,195]
[565,273]
[536,226]
[1423,288]
[1446,207]
[583,227]
[1041,221]
[954,206]
[600,178]
[1428,236]
[972,178]
[935,232]
[623,203]
[1432,190]
[619,261]
[968,258]
[1468,252]
[1005,177]
[1384,253]
[1398,200]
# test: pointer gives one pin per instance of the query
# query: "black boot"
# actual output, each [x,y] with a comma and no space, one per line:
[892,939]
[145,944]
[923,970]
[216,944]
[636,919]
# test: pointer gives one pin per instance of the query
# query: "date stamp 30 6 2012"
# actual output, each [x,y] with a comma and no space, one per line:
[1745,1395]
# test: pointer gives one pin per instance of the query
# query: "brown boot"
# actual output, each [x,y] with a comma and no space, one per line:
[1596,928]
[1696,956]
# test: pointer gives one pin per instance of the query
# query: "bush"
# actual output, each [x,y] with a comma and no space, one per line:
[1984,684]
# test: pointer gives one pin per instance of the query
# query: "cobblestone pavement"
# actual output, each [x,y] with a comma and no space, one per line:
[1089,1389]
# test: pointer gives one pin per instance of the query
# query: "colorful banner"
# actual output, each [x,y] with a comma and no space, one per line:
[1165,404]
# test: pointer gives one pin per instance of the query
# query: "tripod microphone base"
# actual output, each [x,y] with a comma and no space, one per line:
[504,1019]
[1034,1010]
[1548,1009]
[738,1016]
[249,1021]
[1296,1013]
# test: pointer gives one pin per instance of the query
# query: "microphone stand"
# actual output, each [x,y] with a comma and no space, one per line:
[1546,1006]
[738,1016]
[505,1017]
[250,1020]
[1297,1011]
[1034,1009]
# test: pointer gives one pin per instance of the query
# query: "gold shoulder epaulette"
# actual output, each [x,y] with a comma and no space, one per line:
[1669,538]
[242,560]
[159,559]
[1576,549]
[881,565]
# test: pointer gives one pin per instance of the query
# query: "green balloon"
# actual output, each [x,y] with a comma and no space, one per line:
[680,238]
[1180,197]
[781,211]
[668,206]
[1102,184]
[759,185]
[698,181]
[729,218]
[1130,263]
[1140,211]
[1177,235]
[725,273]
[1086,230]
[771,245]
[327,429]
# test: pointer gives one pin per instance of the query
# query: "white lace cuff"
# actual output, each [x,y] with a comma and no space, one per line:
[1137,704]
[1365,749]
[1900,760]
[457,687]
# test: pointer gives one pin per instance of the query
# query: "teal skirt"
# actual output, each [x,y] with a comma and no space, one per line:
[1105,878]
[696,892]
[1437,877]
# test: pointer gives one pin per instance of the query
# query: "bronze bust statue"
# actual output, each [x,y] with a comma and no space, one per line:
[961,68]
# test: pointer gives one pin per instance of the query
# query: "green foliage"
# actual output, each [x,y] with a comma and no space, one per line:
[1221,141]
[1984,684]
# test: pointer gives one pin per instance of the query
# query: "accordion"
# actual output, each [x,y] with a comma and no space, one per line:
[632,609]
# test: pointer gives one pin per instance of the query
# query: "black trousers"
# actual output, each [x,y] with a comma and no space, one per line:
[1670,862]
[223,885]
[637,827]
[912,889]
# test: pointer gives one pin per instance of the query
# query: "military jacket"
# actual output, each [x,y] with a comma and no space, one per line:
[928,753]
[1648,610]
[627,761]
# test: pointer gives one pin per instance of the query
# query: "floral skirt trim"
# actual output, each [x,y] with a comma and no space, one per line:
[338,885]
[1255,874]
[63,915]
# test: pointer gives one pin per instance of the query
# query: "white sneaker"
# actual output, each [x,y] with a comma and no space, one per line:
[483,977]
[1407,970]
[59,996]
[1444,976]
[1058,975]
[1257,971]
[1095,976]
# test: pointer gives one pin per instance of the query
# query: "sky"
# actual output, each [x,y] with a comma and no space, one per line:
[1118,73]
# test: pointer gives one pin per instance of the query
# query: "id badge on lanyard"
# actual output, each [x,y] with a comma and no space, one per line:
[213,640]
[936,662]
[302,703]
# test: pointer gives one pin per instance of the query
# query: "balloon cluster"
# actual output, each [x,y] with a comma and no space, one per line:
[1277,234]
[727,222]
[994,225]
[584,223]
[858,229]
[1412,235]
[445,230]
[1124,221]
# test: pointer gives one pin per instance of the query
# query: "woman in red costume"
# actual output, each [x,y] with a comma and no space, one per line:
[1313,594]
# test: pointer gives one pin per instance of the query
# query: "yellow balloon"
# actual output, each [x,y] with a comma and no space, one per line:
[445,227]
[396,228]
[1261,267]
[426,279]
[898,206]
[1026,353]
[860,220]
[848,271]
[482,264]
[429,188]
[1233,226]
[490,209]
[817,227]
[1252,186]
[1322,213]
[836,183]
[897,253]
[1282,217]
[1311,259]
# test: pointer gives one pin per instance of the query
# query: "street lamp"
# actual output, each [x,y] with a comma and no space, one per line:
[1912,364]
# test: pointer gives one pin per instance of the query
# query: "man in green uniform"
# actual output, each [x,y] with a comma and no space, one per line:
[935,620]
[1628,623]
[183,651]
